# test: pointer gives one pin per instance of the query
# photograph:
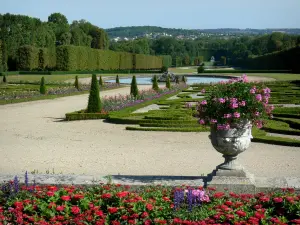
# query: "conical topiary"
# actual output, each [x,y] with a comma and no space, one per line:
[4,79]
[168,83]
[117,80]
[100,81]
[43,86]
[177,80]
[94,104]
[154,83]
[133,88]
[76,84]
[183,79]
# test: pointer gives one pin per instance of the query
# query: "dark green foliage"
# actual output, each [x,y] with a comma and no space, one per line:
[117,80]
[164,69]
[4,79]
[133,88]
[43,86]
[94,104]
[85,116]
[28,58]
[168,82]
[183,79]
[167,60]
[177,79]
[76,84]
[100,81]
[223,60]
[155,83]
[200,69]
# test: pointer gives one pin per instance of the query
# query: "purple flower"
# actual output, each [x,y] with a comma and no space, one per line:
[236,115]
[203,91]
[252,91]
[204,102]
[242,103]
[226,116]
[258,97]
[234,105]
[221,100]
[213,121]
[202,121]
[256,113]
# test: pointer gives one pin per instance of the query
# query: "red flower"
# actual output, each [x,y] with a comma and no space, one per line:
[291,190]
[241,213]
[122,194]
[147,222]
[277,200]
[124,217]
[78,196]
[296,221]
[219,195]
[264,199]
[66,198]
[149,207]
[99,213]
[51,205]
[50,193]
[259,215]
[230,216]
[290,199]
[18,205]
[52,188]
[144,215]
[60,208]
[114,222]
[105,196]
[75,209]
[229,203]
[60,218]
[211,188]
[112,210]
[131,222]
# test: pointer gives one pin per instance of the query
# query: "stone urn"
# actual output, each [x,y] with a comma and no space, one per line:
[231,143]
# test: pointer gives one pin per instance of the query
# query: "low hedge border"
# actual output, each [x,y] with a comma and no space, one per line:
[277,141]
[293,123]
[175,129]
[247,71]
[286,115]
[79,115]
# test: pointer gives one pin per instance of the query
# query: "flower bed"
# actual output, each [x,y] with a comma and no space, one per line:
[116,204]
[118,102]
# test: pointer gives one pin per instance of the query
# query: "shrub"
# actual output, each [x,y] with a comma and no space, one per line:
[154,83]
[133,88]
[168,83]
[76,84]
[177,79]
[43,86]
[164,69]
[100,81]
[117,80]
[183,79]
[4,79]
[94,104]
[200,69]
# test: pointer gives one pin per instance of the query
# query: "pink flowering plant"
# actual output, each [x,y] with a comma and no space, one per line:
[234,102]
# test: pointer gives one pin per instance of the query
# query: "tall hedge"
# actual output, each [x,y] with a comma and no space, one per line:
[28,58]
[1,57]
[283,60]
[166,60]
[141,61]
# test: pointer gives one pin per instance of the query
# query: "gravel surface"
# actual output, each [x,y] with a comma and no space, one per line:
[32,137]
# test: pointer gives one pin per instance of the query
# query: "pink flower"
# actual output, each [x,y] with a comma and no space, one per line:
[203,91]
[233,100]
[202,121]
[267,90]
[236,115]
[204,102]
[256,113]
[258,97]
[227,115]
[221,100]
[213,121]
[258,124]
[234,105]
[252,91]
[242,103]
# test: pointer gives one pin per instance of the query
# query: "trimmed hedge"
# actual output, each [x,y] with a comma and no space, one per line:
[283,60]
[85,116]
[166,60]
[247,71]
[78,58]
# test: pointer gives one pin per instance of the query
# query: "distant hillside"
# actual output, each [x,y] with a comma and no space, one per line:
[120,33]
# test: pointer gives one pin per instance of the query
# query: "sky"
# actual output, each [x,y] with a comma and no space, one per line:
[186,14]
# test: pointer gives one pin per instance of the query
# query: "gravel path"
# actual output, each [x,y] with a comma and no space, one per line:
[33,138]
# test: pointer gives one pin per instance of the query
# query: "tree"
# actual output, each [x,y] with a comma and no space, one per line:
[133,88]
[94,104]
[59,24]
[76,84]
[200,69]
[42,86]
[223,60]
[58,18]
[117,80]
[155,83]
[4,79]
[100,38]
[100,81]
[168,83]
